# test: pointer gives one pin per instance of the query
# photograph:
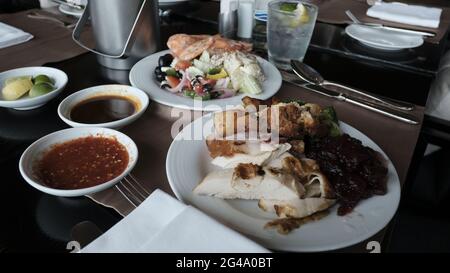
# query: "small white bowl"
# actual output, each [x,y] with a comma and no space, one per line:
[132,93]
[26,103]
[36,150]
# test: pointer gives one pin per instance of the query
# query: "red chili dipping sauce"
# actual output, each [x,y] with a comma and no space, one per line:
[82,163]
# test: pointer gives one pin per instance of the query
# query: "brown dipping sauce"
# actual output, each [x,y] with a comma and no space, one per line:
[102,109]
[82,163]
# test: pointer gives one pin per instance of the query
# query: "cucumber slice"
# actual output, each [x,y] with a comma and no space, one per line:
[249,84]
[203,66]
[194,71]
[205,57]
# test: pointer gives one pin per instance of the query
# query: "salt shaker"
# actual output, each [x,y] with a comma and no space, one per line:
[245,19]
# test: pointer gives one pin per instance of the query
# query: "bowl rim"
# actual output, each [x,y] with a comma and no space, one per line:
[30,101]
[83,191]
[90,91]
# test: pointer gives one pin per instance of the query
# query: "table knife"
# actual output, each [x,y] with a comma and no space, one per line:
[406,31]
[368,105]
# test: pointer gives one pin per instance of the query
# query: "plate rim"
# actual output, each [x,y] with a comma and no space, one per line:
[290,248]
[64,9]
[208,107]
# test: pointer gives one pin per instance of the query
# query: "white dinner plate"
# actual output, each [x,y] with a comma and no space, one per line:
[382,38]
[142,76]
[188,162]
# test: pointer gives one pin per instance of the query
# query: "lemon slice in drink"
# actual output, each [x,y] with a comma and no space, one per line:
[302,13]
[301,16]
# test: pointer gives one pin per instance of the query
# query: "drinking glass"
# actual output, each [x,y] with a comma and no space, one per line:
[289,29]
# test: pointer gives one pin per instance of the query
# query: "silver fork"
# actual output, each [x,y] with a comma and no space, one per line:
[132,190]
[356,20]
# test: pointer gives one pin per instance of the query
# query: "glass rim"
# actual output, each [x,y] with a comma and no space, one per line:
[272,3]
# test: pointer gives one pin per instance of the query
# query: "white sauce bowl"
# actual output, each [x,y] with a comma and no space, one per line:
[35,151]
[132,93]
[25,102]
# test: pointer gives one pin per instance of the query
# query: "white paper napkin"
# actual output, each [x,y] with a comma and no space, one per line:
[163,224]
[406,14]
[10,36]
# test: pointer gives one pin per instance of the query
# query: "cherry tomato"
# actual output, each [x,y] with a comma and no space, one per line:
[173,81]
[182,65]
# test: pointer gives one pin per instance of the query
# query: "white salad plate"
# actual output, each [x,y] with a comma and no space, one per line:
[139,98]
[25,102]
[188,162]
[142,76]
[382,38]
[65,9]
[36,150]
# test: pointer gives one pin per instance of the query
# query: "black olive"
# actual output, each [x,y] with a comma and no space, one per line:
[168,57]
[207,87]
[195,81]
[161,61]
[158,70]
[215,95]
[165,60]
[164,85]
[160,77]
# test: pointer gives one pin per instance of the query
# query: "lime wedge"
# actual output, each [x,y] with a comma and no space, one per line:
[40,89]
[289,7]
[42,79]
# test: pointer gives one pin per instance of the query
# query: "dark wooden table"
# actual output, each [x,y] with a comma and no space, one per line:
[34,221]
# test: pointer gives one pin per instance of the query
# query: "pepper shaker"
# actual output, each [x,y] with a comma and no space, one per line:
[228,18]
